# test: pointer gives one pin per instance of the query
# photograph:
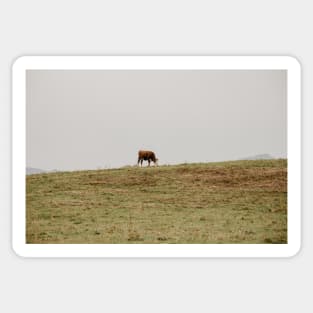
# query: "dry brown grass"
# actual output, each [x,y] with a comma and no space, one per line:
[229,202]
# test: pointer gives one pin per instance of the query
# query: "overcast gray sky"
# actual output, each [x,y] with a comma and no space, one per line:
[87,119]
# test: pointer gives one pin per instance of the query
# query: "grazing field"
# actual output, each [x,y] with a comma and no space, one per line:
[228,202]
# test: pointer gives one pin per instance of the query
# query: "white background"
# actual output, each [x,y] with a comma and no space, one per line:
[139,28]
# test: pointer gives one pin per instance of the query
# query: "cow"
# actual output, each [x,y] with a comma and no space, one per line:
[147,156]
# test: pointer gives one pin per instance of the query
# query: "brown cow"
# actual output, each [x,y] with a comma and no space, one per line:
[147,156]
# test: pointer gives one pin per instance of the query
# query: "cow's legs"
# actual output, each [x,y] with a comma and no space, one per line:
[149,162]
[141,162]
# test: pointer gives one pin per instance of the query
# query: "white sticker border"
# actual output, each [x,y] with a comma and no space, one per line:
[24,63]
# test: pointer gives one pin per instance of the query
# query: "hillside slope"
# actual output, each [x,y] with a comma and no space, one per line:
[228,202]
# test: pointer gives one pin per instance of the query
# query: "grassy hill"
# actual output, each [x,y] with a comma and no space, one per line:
[228,202]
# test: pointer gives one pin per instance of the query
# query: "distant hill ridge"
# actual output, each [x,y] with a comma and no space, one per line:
[33,170]
[260,157]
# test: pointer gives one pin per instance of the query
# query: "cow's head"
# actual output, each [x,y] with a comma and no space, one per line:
[156,162]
